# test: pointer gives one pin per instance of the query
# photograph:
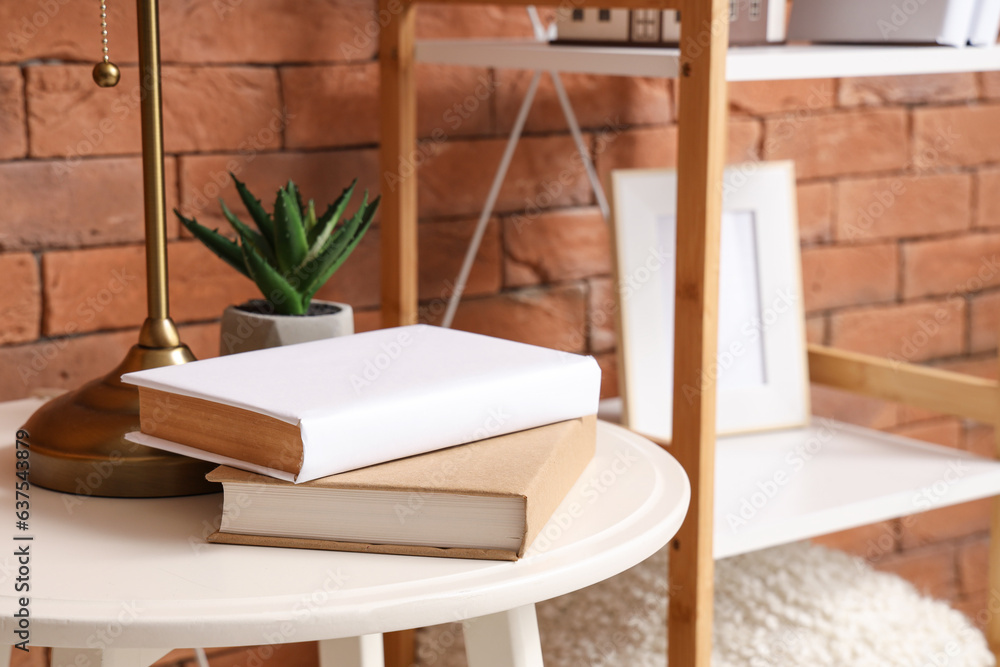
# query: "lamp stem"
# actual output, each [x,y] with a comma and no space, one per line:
[82,431]
[158,330]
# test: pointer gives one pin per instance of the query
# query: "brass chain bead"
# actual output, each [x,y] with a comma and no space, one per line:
[106,73]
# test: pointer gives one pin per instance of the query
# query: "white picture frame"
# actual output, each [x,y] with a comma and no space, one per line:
[762,368]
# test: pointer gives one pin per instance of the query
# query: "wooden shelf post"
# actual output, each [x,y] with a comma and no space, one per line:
[702,117]
[398,162]
[993,578]
[398,169]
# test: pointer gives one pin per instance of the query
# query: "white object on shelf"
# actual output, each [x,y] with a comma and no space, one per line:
[750,22]
[782,486]
[596,25]
[882,21]
[745,63]
[762,371]
[985,23]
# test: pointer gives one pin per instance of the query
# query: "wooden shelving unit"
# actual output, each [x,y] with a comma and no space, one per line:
[861,478]
[833,476]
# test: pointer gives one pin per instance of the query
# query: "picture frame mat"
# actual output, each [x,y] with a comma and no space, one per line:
[642,200]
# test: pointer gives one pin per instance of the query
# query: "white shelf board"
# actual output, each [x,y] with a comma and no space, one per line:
[748,63]
[836,477]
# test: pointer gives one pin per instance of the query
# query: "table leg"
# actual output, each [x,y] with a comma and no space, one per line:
[364,651]
[399,648]
[507,639]
[122,657]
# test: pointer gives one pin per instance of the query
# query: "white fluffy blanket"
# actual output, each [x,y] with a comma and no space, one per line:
[793,606]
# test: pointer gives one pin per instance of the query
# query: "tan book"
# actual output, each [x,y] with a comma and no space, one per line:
[487,499]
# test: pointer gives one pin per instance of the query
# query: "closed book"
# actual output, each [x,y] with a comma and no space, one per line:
[306,411]
[943,22]
[487,500]
[985,23]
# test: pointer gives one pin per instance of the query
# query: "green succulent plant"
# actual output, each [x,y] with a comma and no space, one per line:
[292,253]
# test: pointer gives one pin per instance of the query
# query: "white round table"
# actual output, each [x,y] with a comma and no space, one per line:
[128,579]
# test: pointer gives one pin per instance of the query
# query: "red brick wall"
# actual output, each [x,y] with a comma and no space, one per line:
[899,199]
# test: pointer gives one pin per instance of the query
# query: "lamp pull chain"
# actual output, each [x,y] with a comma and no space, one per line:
[106,73]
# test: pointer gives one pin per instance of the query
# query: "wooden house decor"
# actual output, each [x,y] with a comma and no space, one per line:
[751,22]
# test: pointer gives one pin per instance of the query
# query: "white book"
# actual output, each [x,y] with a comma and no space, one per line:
[985,23]
[943,22]
[306,411]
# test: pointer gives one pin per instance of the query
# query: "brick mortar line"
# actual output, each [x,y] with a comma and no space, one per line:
[492,110]
[580,283]
[971,169]
[42,292]
[907,107]
[905,240]
[562,283]
[85,62]
[283,105]
[975,192]
[901,263]
[967,337]
[910,172]
[27,112]
[583,209]
[101,332]
[940,417]
[883,304]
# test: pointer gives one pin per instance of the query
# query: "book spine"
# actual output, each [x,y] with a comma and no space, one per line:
[985,23]
[961,13]
[455,414]
[776,20]
[882,21]
[553,482]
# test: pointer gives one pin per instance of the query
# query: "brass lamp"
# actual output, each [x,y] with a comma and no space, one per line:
[76,440]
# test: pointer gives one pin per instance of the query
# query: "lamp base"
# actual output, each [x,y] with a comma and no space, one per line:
[77,443]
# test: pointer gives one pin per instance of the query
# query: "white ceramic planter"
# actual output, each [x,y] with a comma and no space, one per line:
[244,330]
